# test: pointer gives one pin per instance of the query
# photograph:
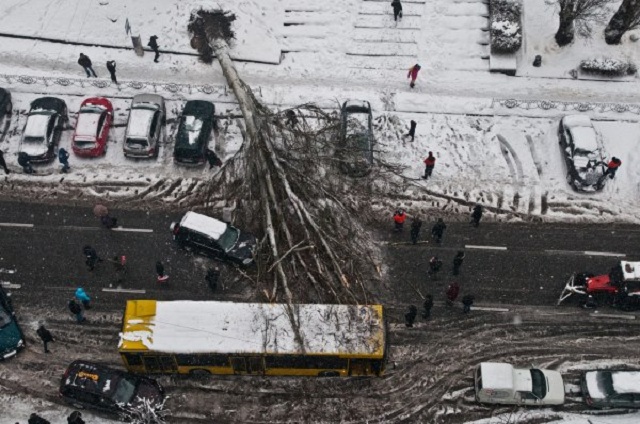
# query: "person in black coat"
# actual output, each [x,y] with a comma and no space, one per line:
[25,163]
[36,419]
[212,277]
[416,224]
[476,215]
[427,305]
[213,159]
[410,316]
[75,418]
[45,336]
[153,44]
[86,64]
[412,130]
[160,271]
[111,67]
[467,301]
[397,11]
[91,257]
[457,262]
[3,164]
[76,309]
[438,230]
[434,266]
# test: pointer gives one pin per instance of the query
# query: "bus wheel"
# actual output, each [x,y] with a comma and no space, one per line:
[328,374]
[200,373]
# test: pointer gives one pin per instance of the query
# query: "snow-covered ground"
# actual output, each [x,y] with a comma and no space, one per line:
[503,155]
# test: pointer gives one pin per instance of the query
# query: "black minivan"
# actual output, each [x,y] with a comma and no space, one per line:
[194,131]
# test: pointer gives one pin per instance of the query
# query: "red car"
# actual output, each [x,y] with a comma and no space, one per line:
[92,128]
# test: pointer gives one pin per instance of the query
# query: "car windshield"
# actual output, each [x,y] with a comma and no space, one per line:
[228,239]
[124,391]
[91,109]
[85,144]
[604,381]
[33,139]
[538,383]
[137,142]
[5,318]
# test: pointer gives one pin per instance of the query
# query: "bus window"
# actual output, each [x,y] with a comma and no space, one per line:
[256,365]
[133,359]
[238,364]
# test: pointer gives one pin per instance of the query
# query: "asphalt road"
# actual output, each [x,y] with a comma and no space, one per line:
[41,250]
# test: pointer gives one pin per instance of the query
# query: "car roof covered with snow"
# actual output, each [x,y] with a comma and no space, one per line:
[37,124]
[600,383]
[582,132]
[497,375]
[203,224]
[139,122]
[88,118]
[259,328]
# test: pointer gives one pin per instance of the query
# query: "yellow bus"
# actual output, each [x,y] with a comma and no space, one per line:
[207,337]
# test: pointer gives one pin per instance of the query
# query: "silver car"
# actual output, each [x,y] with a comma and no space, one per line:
[145,128]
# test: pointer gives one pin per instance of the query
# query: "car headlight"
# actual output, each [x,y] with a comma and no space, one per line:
[20,343]
[247,261]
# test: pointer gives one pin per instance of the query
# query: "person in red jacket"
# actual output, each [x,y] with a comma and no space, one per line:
[430,163]
[452,293]
[413,74]
[612,167]
[398,219]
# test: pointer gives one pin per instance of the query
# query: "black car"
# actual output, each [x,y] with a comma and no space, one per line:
[611,388]
[95,386]
[43,129]
[196,124]
[5,103]
[583,153]
[11,337]
[355,148]
[214,238]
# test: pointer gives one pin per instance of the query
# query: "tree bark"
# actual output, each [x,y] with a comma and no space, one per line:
[566,30]
[626,18]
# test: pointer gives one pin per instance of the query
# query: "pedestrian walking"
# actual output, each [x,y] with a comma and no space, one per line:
[397,10]
[292,119]
[612,167]
[91,257]
[412,130]
[45,336]
[83,298]
[437,231]
[76,309]
[429,164]
[457,262]
[398,218]
[213,274]
[160,271]
[111,67]
[75,418]
[86,64]
[63,157]
[213,159]
[410,316]
[37,419]
[413,74]
[416,224]
[476,215]
[427,305]
[153,43]
[588,303]
[452,293]
[435,264]
[25,162]
[467,301]
[3,164]
[108,221]
[119,262]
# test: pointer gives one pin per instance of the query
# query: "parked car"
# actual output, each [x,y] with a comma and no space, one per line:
[502,383]
[92,128]
[43,129]
[583,153]
[11,337]
[145,126]
[210,237]
[611,388]
[355,148]
[196,123]
[5,103]
[95,386]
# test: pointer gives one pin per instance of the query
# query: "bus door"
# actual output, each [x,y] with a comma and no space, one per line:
[247,365]
[160,364]
[360,367]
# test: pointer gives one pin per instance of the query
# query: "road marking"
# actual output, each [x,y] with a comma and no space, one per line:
[77,227]
[595,314]
[13,224]
[8,285]
[132,230]
[590,253]
[563,252]
[124,291]
[8,271]
[472,246]
[482,308]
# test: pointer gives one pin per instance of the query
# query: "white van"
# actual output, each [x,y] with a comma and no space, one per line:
[502,383]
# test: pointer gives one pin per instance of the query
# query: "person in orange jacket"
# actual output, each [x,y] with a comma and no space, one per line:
[612,167]
[398,219]
[430,163]
[413,74]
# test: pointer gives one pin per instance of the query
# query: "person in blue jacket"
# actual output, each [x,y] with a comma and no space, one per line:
[83,297]
[63,157]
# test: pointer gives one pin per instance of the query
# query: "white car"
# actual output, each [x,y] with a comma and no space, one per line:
[583,153]
[145,125]
[501,383]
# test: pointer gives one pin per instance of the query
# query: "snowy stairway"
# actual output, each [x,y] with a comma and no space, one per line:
[306,25]
[378,42]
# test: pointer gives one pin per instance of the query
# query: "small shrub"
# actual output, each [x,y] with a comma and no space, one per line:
[506,31]
[608,67]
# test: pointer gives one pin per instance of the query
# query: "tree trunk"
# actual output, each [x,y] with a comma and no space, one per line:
[566,29]
[622,21]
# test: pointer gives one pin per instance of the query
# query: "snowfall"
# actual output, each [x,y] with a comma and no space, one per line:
[494,136]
